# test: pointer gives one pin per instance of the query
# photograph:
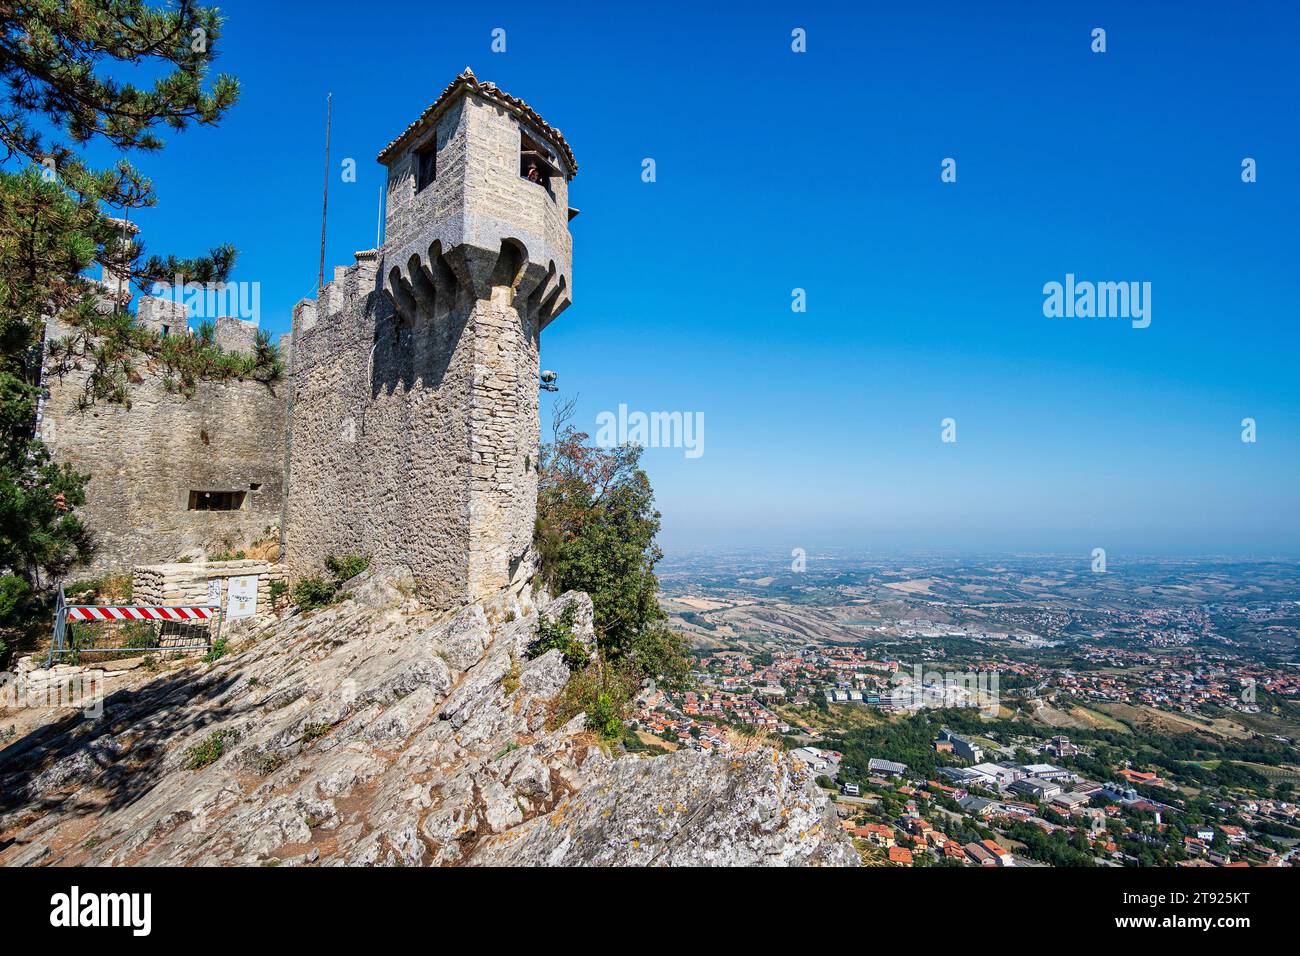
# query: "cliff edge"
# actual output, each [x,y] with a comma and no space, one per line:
[375,732]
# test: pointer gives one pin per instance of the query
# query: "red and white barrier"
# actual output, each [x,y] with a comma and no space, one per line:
[140,612]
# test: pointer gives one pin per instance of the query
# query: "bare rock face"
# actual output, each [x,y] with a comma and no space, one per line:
[376,733]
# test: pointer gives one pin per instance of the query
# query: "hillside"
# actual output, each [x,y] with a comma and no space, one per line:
[374,732]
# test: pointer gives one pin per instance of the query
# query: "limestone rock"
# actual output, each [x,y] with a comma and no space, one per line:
[376,733]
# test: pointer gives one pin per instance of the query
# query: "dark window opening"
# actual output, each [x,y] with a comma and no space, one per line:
[216,500]
[535,162]
[166,330]
[254,486]
[426,165]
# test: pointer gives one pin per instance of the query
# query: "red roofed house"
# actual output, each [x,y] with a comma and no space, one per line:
[1001,853]
[877,833]
[979,855]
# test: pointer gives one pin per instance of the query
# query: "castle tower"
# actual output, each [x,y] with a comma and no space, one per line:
[414,408]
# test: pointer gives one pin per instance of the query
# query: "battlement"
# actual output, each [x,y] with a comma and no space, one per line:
[162,315]
[343,296]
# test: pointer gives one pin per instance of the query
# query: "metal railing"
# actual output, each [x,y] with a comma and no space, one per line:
[127,629]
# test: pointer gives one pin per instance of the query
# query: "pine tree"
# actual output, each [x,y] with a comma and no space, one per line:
[56,221]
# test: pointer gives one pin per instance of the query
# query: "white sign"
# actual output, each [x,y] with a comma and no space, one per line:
[241,597]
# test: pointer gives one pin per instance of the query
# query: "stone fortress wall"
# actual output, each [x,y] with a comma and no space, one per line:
[150,463]
[414,411]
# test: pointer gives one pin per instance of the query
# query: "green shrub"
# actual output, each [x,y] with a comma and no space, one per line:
[209,751]
[267,763]
[312,732]
[603,691]
[135,636]
[346,566]
[558,635]
[278,589]
[89,588]
[605,717]
[138,634]
[595,532]
[217,650]
[314,592]
[510,682]
[111,589]
[15,594]
[111,345]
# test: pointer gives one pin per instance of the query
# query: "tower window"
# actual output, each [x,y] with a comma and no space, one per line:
[216,500]
[535,163]
[426,165]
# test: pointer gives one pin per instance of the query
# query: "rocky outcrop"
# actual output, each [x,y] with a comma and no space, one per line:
[376,733]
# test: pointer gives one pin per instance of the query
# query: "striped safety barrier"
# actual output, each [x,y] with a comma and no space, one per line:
[140,612]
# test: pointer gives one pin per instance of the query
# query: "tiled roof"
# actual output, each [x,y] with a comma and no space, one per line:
[467,80]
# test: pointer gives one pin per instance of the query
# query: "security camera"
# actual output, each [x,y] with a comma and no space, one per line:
[548,381]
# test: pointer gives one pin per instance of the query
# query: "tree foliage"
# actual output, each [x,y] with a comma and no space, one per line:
[596,528]
[59,63]
[52,59]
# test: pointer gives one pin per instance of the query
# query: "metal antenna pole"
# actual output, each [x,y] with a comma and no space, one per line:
[126,218]
[325,200]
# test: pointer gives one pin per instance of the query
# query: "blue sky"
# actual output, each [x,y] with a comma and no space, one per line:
[821,171]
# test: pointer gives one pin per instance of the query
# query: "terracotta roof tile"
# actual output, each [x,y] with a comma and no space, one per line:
[467,80]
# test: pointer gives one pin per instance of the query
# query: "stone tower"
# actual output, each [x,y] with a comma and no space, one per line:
[414,405]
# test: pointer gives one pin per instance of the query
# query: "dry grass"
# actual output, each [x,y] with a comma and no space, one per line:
[268,549]
[650,740]
[1162,721]
[745,743]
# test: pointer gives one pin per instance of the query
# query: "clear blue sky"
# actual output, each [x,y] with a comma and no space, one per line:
[821,170]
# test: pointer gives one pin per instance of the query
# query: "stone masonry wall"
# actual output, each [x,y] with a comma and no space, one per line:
[408,214]
[500,202]
[185,583]
[504,443]
[144,462]
[414,431]
[236,335]
[379,459]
